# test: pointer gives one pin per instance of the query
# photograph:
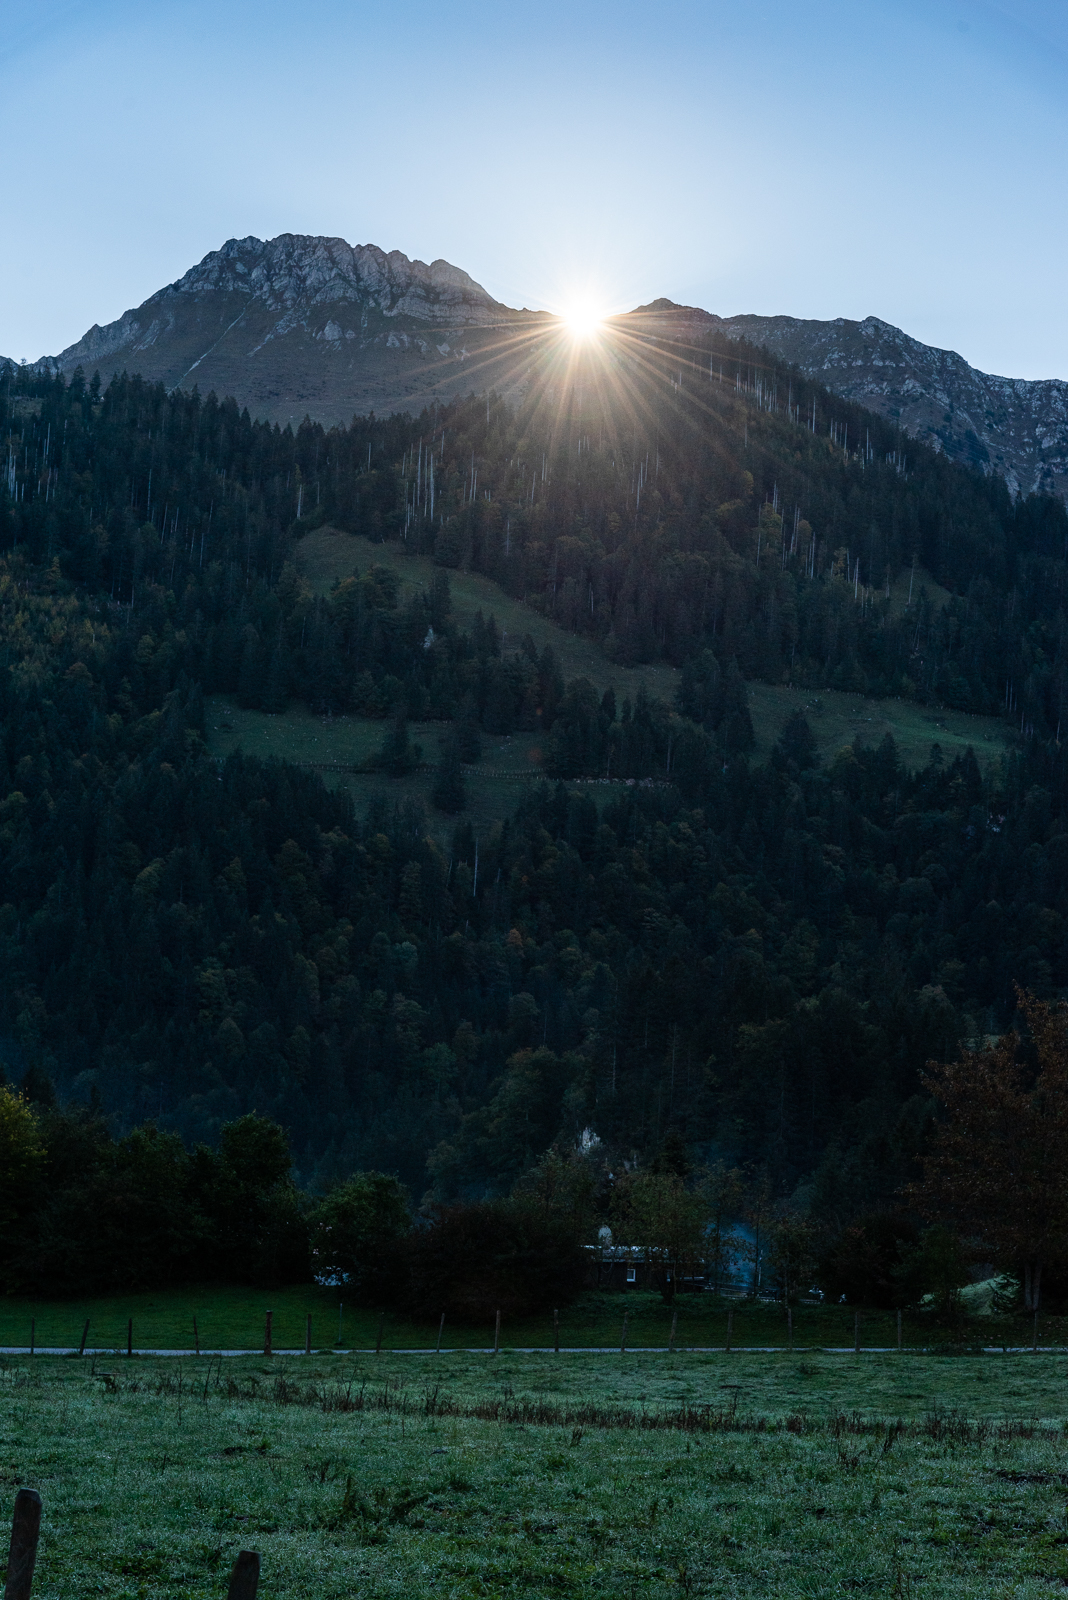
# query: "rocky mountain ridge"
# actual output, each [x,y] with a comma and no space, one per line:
[302,324]
[1017,427]
[307,325]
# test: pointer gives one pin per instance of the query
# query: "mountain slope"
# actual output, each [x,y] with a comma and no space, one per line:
[188,941]
[306,325]
[1013,426]
[299,324]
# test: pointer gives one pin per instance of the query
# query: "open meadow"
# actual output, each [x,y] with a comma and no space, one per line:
[798,1474]
[336,745]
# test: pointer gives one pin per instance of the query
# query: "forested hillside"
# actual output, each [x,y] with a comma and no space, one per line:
[757,958]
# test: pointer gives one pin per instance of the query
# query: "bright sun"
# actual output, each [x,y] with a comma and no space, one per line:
[582,319]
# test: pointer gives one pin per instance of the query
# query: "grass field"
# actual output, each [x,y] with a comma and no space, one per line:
[508,766]
[462,1476]
[233,1319]
[494,787]
[836,719]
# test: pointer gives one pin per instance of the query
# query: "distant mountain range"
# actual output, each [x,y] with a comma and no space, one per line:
[305,325]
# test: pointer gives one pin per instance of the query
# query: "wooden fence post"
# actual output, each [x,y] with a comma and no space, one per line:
[730,1329]
[441,1330]
[268,1335]
[85,1335]
[245,1578]
[497,1335]
[623,1337]
[22,1555]
[129,1337]
[307,1335]
[196,1335]
[381,1327]
[674,1330]
[556,1332]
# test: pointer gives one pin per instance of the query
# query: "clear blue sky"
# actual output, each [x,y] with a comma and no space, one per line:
[830,158]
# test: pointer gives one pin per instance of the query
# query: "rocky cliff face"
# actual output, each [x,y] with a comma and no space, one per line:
[1013,426]
[300,324]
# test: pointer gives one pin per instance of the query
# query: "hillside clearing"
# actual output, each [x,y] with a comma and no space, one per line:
[509,765]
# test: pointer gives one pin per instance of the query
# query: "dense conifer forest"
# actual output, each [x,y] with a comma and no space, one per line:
[755,960]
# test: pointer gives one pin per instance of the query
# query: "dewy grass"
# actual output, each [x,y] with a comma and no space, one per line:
[471,1476]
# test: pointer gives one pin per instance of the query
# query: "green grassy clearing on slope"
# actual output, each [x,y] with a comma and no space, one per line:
[494,787]
[499,781]
[836,717]
[529,1475]
[326,555]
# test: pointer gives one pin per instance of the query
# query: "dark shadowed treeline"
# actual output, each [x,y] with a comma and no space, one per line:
[757,959]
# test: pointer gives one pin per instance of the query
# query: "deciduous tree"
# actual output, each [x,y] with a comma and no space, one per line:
[996,1166]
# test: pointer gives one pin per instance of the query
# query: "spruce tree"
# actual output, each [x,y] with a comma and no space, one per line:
[449,793]
[398,755]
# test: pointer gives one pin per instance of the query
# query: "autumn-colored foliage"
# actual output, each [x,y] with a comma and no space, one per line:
[998,1163]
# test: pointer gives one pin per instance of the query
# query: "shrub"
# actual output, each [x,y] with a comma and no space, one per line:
[470,1261]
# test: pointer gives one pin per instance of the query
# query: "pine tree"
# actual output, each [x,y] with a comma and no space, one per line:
[398,755]
[449,793]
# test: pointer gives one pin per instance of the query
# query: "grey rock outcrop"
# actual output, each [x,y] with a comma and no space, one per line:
[1014,426]
[303,324]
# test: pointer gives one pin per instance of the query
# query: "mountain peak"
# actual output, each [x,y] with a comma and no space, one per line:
[306,323]
[307,269]
[310,324]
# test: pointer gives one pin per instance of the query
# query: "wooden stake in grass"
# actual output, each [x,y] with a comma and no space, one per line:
[441,1330]
[674,1330]
[730,1329]
[196,1335]
[307,1334]
[497,1335]
[556,1332]
[268,1335]
[22,1555]
[245,1578]
[85,1335]
[129,1337]
[381,1328]
[623,1339]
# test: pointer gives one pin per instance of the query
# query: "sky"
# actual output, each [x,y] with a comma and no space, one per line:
[818,158]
